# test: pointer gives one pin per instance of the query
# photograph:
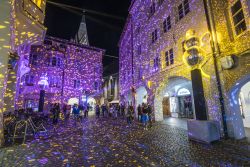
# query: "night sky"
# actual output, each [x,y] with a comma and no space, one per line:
[103,32]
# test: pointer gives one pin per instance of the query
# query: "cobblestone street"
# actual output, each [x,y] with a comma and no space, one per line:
[108,142]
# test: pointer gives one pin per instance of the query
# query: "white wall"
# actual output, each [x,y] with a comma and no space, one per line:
[245,97]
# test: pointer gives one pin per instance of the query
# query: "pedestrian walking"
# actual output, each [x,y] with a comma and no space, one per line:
[97,111]
[129,114]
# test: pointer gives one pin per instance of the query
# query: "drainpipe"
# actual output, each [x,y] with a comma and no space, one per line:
[216,51]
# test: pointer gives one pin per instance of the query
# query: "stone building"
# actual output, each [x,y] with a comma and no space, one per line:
[67,72]
[21,25]
[165,41]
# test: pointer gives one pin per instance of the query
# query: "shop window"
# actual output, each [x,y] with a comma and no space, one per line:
[77,84]
[183,9]
[33,60]
[167,24]
[29,80]
[238,18]
[169,57]
[154,36]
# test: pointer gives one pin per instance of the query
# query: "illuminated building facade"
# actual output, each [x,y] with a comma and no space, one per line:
[155,61]
[21,25]
[66,71]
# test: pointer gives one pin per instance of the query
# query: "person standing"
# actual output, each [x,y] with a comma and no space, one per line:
[65,114]
[139,112]
[56,114]
[97,111]
[103,109]
[150,115]
[144,118]
[76,113]
[122,110]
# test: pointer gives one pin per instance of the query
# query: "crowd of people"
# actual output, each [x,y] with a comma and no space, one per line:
[79,112]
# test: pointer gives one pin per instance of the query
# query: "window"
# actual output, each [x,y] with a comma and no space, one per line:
[154,36]
[140,72]
[238,18]
[152,9]
[77,84]
[139,50]
[138,29]
[55,82]
[167,24]
[96,85]
[33,59]
[29,80]
[183,9]
[55,62]
[169,57]
[156,63]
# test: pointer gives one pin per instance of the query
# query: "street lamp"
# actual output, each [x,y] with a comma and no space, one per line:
[193,58]
[43,83]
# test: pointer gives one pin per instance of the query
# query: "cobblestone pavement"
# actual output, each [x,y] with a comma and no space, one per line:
[108,142]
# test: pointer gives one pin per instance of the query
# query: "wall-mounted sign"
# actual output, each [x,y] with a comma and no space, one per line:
[183,92]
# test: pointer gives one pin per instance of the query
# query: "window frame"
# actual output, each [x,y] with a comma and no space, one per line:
[232,19]
[77,84]
[169,57]
[183,8]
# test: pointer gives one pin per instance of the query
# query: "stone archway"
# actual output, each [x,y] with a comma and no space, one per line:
[161,93]
[235,123]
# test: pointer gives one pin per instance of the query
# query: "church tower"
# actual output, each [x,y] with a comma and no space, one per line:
[82,34]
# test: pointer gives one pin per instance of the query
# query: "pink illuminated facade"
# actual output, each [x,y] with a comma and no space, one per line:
[66,71]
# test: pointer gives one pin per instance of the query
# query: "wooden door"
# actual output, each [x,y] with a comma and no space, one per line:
[166,106]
